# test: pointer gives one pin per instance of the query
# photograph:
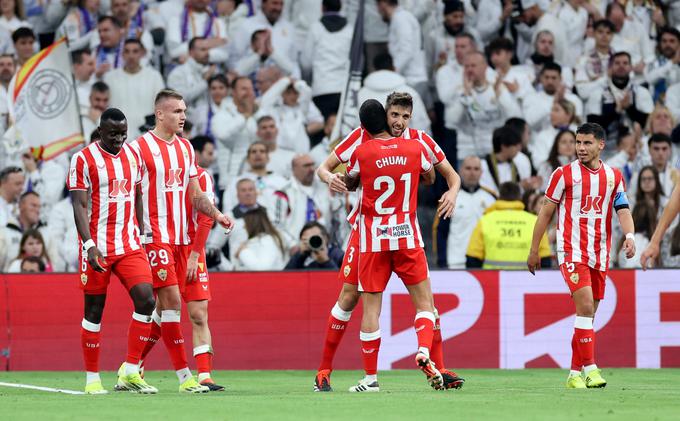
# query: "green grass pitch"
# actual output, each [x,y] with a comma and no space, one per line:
[631,394]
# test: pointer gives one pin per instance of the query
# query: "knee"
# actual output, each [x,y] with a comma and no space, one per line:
[94,313]
[198,316]
[586,309]
[349,298]
[170,299]
[145,305]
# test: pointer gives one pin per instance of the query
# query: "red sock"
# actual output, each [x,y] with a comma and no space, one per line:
[204,362]
[585,341]
[370,346]
[154,335]
[138,337]
[424,325]
[335,330]
[89,339]
[173,338]
[437,350]
[576,363]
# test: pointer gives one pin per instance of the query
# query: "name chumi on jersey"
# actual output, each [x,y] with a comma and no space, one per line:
[390,160]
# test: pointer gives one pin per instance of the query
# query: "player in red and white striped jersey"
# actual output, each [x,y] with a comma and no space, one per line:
[585,193]
[389,170]
[398,108]
[105,178]
[169,180]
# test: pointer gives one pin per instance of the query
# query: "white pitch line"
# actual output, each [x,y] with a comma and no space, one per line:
[44,389]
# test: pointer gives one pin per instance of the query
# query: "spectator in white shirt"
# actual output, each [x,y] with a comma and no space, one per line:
[502,164]
[664,70]
[515,78]
[196,19]
[190,79]
[478,107]
[445,35]
[61,230]
[233,13]
[573,17]
[11,185]
[405,46]
[218,93]
[453,234]
[591,70]
[630,36]
[80,24]
[383,81]
[262,54]
[562,117]
[83,68]
[130,15]
[543,53]
[279,159]
[660,152]
[562,152]
[290,103]
[628,158]
[12,15]
[24,45]
[134,87]
[108,46]
[326,56]
[233,128]
[100,95]
[265,78]
[7,71]
[537,105]
[264,249]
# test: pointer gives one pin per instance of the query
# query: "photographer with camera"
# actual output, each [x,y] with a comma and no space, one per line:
[314,251]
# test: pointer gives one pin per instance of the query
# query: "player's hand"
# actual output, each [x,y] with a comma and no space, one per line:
[96,259]
[192,266]
[447,204]
[629,248]
[336,182]
[533,262]
[226,222]
[650,255]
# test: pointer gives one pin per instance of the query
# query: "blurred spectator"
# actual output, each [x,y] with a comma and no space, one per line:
[562,117]
[384,81]
[502,237]
[234,128]
[537,105]
[218,95]
[11,233]
[664,71]
[315,250]
[12,15]
[100,95]
[544,53]
[325,55]
[478,108]
[376,29]
[592,66]
[130,15]
[630,37]
[621,101]
[305,198]
[246,193]
[660,153]
[262,54]
[11,185]
[452,26]
[573,17]
[265,78]
[80,24]
[24,44]
[31,245]
[670,248]
[61,230]
[562,152]
[302,15]
[32,264]
[406,50]
[266,181]
[321,150]
[453,234]
[7,70]
[232,13]
[196,20]
[279,159]
[533,201]
[282,32]
[134,87]
[264,249]
[516,79]
[501,165]
[289,102]
[83,68]
[108,46]
[191,78]
[628,158]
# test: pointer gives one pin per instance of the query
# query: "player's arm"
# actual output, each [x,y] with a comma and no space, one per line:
[94,256]
[325,174]
[204,205]
[427,174]
[447,203]
[428,177]
[671,210]
[542,222]
[205,224]
[139,209]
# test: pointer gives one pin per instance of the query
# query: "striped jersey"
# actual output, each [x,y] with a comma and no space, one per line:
[205,182]
[167,168]
[110,181]
[343,151]
[389,170]
[586,201]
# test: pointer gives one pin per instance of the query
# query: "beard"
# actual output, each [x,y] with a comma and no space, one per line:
[620,81]
[454,30]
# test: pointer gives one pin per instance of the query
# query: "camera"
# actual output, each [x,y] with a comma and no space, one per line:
[315,242]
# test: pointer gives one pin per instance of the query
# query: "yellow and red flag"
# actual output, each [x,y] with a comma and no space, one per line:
[44,102]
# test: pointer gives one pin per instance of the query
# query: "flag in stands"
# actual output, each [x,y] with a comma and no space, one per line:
[44,102]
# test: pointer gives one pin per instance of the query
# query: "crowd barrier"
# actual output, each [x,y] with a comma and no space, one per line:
[490,319]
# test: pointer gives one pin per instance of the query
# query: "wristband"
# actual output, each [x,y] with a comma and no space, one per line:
[88,244]
[630,236]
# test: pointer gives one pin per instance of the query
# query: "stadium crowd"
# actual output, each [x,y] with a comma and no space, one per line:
[501,86]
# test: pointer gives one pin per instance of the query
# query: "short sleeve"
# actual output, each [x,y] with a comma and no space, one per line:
[205,182]
[425,163]
[343,151]
[434,151]
[78,178]
[193,171]
[555,186]
[353,165]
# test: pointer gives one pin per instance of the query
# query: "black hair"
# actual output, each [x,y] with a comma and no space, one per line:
[317,224]
[34,259]
[134,41]
[111,19]
[193,40]
[517,123]
[112,114]
[28,193]
[218,78]
[509,191]
[331,5]
[199,142]
[619,54]
[383,61]
[21,33]
[500,44]
[77,56]
[592,128]
[551,65]
[659,138]
[505,136]
[373,116]
[606,23]
[622,132]
[100,86]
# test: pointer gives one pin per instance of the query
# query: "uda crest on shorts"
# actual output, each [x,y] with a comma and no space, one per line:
[574,278]
[83,278]
[347,270]
[162,274]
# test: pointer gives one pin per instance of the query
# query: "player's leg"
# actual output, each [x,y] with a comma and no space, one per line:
[370,342]
[577,278]
[202,340]
[451,379]
[90,334]
[586,340]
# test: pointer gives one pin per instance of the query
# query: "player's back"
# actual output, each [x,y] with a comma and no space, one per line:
[389,171]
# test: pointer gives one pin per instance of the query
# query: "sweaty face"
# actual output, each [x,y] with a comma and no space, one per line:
[171,115]
[398,119]
[113,134]
[588,148]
